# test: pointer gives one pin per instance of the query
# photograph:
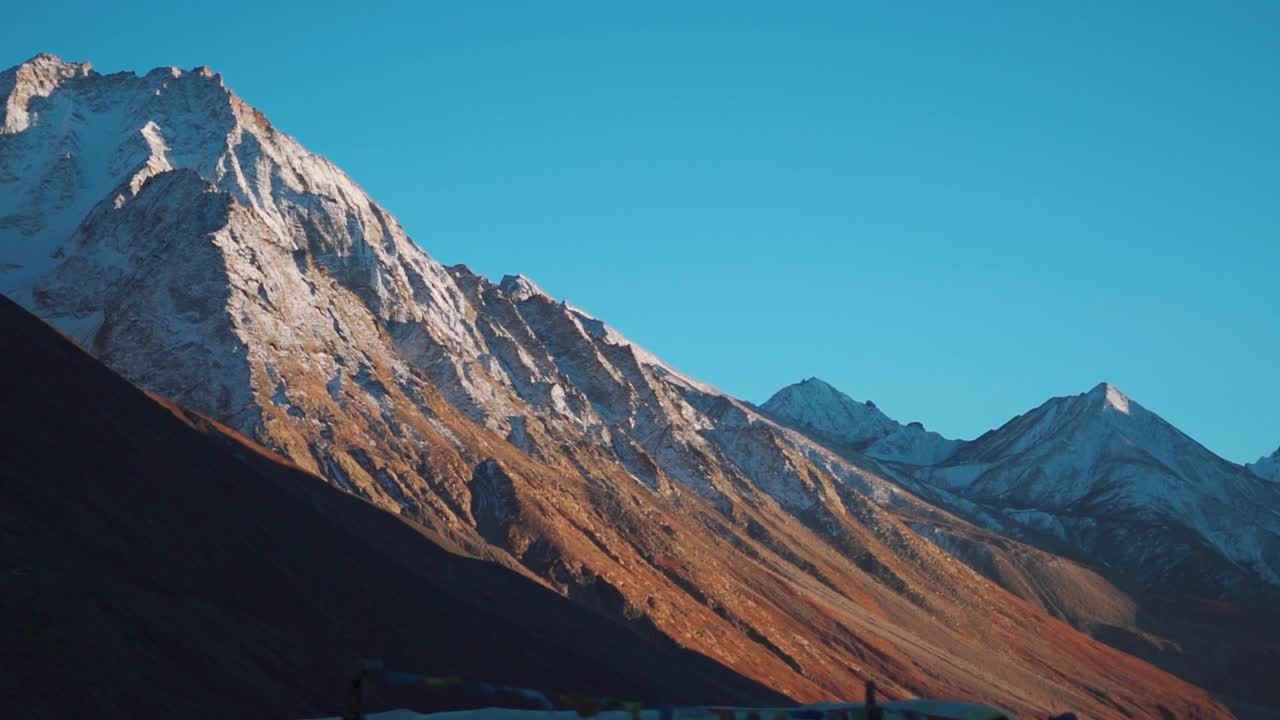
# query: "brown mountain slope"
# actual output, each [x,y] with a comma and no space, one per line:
[250,585]
[1230,648]
[157,565]
[1228,645]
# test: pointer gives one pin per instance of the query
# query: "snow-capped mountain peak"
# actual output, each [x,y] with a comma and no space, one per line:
[1112,397]
[816,407]
[1096,471]
[821,406]
[1092,469]
[35,78]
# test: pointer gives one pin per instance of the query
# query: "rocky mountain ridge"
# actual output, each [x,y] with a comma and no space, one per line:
[1061,472]
[1109,478]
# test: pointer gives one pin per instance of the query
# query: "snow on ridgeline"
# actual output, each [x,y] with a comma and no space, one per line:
[209,257]
[815,406]
[1096,471]
[1123,486]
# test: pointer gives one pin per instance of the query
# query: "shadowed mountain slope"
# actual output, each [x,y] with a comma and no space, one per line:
[156,564]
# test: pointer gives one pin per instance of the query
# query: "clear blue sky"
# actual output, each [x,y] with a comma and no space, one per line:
[957,209]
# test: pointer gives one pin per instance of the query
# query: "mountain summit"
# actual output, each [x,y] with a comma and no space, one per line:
[1096,474]
[1099,478]
[33,79]
[814,406]
[1112,396]
[1119,484]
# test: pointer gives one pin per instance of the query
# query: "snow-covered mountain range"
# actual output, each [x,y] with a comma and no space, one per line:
[1096,475]
[210,258]
[1117,483]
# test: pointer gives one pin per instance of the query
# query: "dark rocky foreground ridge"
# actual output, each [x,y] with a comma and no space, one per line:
[158,565]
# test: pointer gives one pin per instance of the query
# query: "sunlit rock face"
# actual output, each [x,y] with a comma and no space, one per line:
[201,253]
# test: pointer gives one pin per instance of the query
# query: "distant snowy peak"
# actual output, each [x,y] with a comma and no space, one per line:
[815,404]
[816,407]
[1098,412]
[1267,468]
[1113,398]
[1091,468]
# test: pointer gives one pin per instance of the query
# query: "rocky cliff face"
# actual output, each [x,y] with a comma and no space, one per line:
[206,256]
